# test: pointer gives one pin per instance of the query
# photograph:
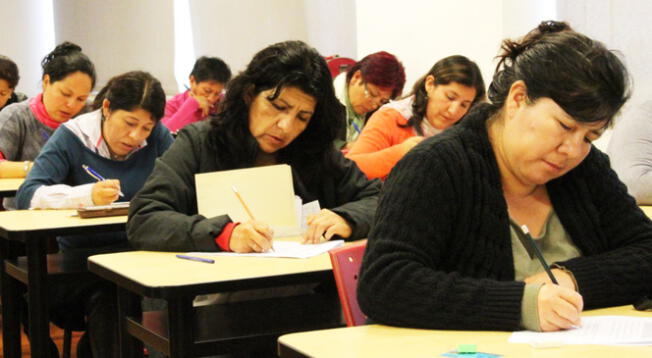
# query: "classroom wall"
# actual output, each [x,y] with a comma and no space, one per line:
[121,36]
[626,27]
[27,36]
[422,32]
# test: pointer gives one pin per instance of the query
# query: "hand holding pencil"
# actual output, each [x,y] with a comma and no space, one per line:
[250,236]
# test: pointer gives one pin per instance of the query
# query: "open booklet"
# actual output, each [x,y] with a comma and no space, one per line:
[267,192]
[114,209]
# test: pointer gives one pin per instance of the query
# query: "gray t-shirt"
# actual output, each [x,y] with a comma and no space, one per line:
[21,136]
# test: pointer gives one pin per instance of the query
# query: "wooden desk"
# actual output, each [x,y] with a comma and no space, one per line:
[162,275]
[9,186]
[385,341]
[32,228]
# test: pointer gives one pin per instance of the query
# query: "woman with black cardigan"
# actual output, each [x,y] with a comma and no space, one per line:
[446,249]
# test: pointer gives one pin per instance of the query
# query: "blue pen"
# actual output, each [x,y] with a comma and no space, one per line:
[95,175]
[355,126]
[195,258]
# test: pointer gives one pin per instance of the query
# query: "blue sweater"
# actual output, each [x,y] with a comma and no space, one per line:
[60,162]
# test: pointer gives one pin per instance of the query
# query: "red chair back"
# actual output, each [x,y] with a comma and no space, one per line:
[346,261]
[338,64]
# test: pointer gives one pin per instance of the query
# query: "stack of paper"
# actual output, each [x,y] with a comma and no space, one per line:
[284,249]
[608,330]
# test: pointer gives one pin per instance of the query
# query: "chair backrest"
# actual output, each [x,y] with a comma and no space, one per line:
[338,64]
[346,262]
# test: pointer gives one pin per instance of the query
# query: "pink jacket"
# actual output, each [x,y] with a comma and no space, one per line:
[182,110]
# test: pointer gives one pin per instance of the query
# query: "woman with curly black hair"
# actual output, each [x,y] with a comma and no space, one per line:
[281,110]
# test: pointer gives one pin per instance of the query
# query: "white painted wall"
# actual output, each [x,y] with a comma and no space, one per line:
[420,32]
[27,36]
[121,36]
[624,26]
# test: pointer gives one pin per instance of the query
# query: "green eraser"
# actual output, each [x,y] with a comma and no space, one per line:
[466,349]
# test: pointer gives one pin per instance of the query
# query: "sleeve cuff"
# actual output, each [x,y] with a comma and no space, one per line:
[224,238]
[529,308]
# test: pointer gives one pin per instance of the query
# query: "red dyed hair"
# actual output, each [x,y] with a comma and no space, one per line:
[381,69]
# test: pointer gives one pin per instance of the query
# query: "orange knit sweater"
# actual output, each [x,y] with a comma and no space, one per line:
[378,148]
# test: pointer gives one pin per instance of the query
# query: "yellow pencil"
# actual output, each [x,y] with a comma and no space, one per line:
[244,205]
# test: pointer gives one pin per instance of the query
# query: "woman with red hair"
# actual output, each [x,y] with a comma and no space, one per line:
[367,85]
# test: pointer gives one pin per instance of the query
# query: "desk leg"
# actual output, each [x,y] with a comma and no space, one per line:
[181,333]
[37,291]
[10,309]
[128,306]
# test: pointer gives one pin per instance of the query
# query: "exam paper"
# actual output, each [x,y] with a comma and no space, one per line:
[606,330]
[284,249]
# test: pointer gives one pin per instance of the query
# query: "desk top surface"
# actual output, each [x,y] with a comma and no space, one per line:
[35,220]
[10,185]
[385,341]
[163,269]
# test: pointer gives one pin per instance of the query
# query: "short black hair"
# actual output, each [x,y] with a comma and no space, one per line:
[9,71]
[211,69]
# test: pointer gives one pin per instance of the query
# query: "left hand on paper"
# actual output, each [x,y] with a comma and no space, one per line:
[325,224]
[562,277]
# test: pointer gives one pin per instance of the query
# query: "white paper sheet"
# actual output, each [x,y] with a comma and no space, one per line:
[284,249]
[606,330]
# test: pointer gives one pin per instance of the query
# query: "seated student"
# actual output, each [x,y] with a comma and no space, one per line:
[281,110]
[8,81]
[207,81]
[367,85]
[630,150]
[445,251]
[120,140]
[68,78]
[438,100]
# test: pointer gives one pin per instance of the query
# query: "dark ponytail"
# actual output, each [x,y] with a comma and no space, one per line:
[66,59]
[588,81]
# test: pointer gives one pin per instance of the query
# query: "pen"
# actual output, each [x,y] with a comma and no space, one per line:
[95,175]
[533,250]
[244,205]
[355,126]
[195,258]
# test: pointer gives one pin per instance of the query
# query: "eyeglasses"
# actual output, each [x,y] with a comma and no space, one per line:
[374,96]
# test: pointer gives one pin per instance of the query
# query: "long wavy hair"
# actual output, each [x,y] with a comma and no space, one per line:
[285,64]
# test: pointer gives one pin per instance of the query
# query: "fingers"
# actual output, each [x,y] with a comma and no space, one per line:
[559,308]
[324,226]
[252,236]
[105,192]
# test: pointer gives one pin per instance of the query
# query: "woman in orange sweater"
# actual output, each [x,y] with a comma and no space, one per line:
[438,100]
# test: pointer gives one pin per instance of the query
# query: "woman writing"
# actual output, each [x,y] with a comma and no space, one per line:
[281,109]
[446,249]
[438,100]
[68,78]
[120,140]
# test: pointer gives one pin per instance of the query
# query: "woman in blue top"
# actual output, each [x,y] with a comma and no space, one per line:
[120,140]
